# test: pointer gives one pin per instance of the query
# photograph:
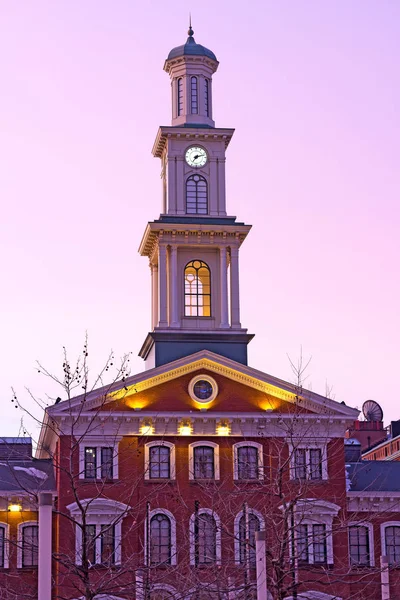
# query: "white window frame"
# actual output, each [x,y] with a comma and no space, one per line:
[167,513]
[99,511]
[313,595]
[163,587]
[312,511]
[6,528]
[370,529]
[20,527]
[172,459]
[307,446]
[98,442]
[236,461]
[383,536]
[194,445]
[205,511]
[250,511]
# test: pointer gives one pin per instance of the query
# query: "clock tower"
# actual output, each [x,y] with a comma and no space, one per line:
[193,247]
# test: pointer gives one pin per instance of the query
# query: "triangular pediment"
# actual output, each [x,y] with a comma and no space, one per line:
[164,388]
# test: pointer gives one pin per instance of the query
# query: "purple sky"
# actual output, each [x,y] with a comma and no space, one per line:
[313,91]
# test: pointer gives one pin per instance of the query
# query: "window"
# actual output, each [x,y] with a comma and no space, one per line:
[309,463]
[2,546]
[98,457]
[30,545]
[159,462]
[392,542]
[248,525]
[207,97]
[160,540]
[205,539]
[359,545]
[248,461]
[196,195]
[102,533]
[193,96]
[311,543]
[197,289]
[203,462]
[180,96]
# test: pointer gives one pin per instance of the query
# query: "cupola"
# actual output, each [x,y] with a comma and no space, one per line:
[191,67]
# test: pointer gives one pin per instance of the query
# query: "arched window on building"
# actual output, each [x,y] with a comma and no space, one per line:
[29,545]
[196,195]
[207,97]
[392,544]
[248,525]
[179,95]
[193,96]
[160,540]
[206,546]
[197,289]
[359,545]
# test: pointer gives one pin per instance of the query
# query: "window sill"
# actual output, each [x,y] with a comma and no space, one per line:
[250,481]
[160,480]
[102,481]
[203,481]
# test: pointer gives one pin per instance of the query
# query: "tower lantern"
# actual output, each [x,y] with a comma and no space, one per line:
[191,68]
[193,248]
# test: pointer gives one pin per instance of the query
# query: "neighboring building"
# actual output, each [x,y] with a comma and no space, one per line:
[201,477]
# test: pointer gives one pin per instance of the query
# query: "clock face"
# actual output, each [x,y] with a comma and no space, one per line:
[196,156]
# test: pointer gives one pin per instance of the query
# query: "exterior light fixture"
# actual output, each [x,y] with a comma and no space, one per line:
[223,428]
[147,428]
[14,507]
[185,428]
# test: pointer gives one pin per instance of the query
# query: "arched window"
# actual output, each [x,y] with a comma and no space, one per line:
[207,97]
[197,289]
[193,96]
[359,545]
[206,546]
[159,458]
[247,462]
[160,540]
[30,534]
[248,525]
[196,195]
[179,96]
[392,543]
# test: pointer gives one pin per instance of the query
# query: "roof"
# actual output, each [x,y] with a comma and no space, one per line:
[374,476]
[31,475]
[191,48]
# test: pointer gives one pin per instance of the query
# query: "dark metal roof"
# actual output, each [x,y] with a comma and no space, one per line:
[191,49]
[374,476]
[32,475]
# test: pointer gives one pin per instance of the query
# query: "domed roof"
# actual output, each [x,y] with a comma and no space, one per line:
[191,49]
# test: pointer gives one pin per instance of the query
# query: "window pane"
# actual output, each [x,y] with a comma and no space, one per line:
[319,543]
[160,540]
[300,469]
[203,462]
[302,543]
[30,546]
[247,462]
[159,467]
[180,96]
[107,455]
[107,537]
[90,543]
[247,539]
[196,195]
[206,97]
[392,538]
[90,463]
[197,289]
[206,539]
[315,463]
[193,85]
[359,545]
[2,544]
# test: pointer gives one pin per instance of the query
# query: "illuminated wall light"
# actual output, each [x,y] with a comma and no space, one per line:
[14,507]
[147,429]
[223,429]
[185,429]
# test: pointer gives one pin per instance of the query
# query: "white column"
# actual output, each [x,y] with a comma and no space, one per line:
[45,546]
[221,188]
[385,586]
[162,281]
[261,566]
[180,187]
[235,301]
[224,288]
[174,286]
[154,295]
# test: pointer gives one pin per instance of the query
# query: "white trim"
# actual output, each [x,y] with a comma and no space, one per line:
[370,528]
[205,511]
[163,587]
[308,445]
[313,595]
[167,513]
[216,458]
[6,528]
[260,458]
[20,527]
[210,380]
[99,511]
[383,537]
[172,459]
[98,442]
[250,511]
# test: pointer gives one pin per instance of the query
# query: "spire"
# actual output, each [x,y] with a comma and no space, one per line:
[190,30]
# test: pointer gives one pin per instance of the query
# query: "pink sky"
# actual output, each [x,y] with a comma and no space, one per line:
[313,91]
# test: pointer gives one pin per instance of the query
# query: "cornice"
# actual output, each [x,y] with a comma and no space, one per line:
[190,134]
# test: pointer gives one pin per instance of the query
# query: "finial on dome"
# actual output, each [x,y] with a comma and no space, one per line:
[190,30]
